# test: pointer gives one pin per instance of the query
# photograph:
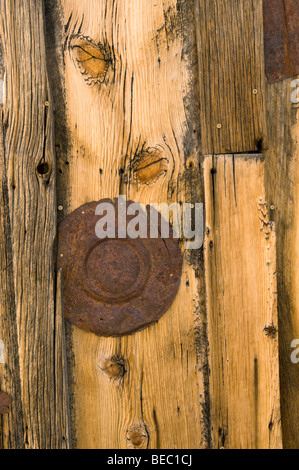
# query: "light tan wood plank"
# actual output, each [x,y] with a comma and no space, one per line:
[241,305]
[149,389]
[231,75]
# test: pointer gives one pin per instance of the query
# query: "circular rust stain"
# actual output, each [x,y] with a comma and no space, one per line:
[115,286]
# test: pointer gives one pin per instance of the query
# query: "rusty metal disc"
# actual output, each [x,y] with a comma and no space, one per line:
[115,286]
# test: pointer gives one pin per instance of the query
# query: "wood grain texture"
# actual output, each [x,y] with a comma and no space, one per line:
[28,175]
[282,184]
[231,65]
[11,425]
[240,264]
[132,128]
[63,438]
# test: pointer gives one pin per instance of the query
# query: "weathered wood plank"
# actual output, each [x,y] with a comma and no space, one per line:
[282,185]
[231,65]
[241,305]
[11,425]
[63,438]
[29,173]
[149,389]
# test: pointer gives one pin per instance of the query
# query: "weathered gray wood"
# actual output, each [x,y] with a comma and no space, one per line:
[282,184]
[232,81]
[11,425]
[29,163]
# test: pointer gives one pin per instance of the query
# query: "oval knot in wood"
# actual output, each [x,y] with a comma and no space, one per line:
[137,437]
[92,59]
[149,165]
[113,367]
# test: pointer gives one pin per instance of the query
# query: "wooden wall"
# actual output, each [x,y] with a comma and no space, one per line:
[95,92]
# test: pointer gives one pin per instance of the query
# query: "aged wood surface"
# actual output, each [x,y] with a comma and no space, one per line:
[11,425]
[28,177]
[240,262]
[62,414]
[131,123]
[282,184]
[140,91]
[232,79]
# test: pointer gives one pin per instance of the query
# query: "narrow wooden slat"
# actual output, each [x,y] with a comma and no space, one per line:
[62,412]
[282,184]
[232,81]
[241,305]
[11,425]
[30,169]
[149,389]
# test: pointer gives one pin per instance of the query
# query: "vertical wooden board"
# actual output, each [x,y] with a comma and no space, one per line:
[282,185]
[62,412]
[28,176]
[134,111]
[11,425]
[231,65]
[241,305]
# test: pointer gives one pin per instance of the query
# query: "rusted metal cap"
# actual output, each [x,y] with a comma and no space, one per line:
[281,37]
[115,286]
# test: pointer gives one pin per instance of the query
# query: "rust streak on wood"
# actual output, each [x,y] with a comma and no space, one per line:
[281,33]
